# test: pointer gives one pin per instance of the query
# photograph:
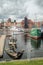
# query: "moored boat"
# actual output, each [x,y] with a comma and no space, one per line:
[35,33]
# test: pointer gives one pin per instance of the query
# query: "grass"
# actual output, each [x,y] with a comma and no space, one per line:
[31,62]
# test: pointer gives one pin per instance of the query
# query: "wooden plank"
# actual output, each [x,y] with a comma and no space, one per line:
[2,42]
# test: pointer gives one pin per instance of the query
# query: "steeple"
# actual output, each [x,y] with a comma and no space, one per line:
[25,22]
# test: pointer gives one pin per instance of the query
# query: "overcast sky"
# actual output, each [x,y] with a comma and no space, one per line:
[18,9]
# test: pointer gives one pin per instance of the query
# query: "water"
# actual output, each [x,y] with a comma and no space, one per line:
[33,51]
[30,51]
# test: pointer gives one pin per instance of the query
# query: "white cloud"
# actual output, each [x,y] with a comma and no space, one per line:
[17,9]
[0,10]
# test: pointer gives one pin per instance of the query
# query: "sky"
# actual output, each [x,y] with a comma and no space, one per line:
[18,9]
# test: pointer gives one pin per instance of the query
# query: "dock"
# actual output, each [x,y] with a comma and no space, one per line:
[2,42]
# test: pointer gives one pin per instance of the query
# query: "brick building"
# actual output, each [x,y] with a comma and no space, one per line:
[30,23]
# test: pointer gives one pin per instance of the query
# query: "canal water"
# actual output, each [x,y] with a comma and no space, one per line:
[31,50]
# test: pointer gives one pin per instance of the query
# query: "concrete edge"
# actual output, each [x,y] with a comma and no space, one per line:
[22,60]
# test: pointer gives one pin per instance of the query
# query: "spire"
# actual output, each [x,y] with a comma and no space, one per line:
[25,22]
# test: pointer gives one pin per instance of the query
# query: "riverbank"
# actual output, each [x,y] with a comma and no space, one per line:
[23,62]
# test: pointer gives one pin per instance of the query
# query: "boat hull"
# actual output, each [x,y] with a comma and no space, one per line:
[35,37]
[35,33]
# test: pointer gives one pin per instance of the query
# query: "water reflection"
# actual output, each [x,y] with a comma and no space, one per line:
[36,43]
[25,38]
[34,48]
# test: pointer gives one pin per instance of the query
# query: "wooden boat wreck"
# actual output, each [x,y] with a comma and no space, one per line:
[14,55]
[12,45]
[35,33]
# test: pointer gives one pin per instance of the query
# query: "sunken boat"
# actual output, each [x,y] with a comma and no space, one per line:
[14,55]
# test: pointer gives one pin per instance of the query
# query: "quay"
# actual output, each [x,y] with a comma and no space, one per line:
[2,42]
